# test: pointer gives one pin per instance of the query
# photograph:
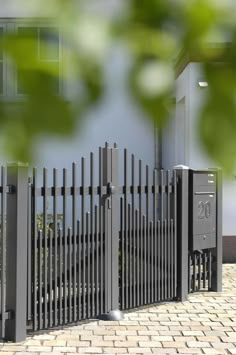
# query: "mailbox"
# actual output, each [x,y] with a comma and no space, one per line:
[202,209]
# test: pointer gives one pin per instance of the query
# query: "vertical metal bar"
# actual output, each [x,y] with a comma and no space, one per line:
[130,255]
[114,172]
[79,262]
[40,237]
[83,274]
[92,230]
[69,234]
[175,231]
[50,235]
[162,236]
[148,233]
[74,234]
[182,232]
[88,264]
[209,270]
[107,179]
[101,229]
[16,251]
[45,269]
[55,235]
[145,259]
[3,249]
[35,238]
[29,248]
[122,251]
[97,262]
[165,258]
[189,274]
[155,231]
[45,201]
[194,272]
[126,257]
[60,275]
[133,226]
[137,256]
[159,260]
[199,271]
[141,232]
[65,242]
[168,236]
[216,284]
[204,269]
[152,268]
[107,228]
[126,224]
[83,234]
[171,259]
[148,237]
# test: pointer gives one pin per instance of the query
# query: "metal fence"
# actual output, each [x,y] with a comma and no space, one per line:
[148,238]
[93,241]
[68,249]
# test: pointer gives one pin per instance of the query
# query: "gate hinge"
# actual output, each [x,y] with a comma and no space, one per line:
[11,189]
[8,315]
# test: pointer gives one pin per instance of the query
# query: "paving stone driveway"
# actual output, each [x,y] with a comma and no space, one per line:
[205,324]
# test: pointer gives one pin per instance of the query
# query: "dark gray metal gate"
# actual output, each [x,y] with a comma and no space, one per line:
[91,242]
[148,235]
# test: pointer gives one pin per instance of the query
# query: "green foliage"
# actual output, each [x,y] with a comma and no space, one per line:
[154,32]
[49,223]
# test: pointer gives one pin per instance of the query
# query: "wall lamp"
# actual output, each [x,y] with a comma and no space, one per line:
[203,84]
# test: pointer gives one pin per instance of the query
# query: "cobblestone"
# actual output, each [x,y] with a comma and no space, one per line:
[204,324]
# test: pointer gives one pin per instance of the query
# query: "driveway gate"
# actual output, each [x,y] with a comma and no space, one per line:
[74,250]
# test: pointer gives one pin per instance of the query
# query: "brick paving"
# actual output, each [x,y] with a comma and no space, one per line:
[205,324]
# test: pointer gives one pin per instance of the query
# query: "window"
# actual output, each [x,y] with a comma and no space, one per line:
[46,48]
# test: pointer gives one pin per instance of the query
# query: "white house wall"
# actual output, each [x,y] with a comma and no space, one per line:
[116,119]
[187,86]
[175,138]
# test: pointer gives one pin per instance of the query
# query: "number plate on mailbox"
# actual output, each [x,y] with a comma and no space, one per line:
[202,210]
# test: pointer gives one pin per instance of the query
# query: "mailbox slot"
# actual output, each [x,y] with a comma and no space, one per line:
[202,210]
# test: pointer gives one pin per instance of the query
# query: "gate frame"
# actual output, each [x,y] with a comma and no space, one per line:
[111,210]
[16,251]
[182,222]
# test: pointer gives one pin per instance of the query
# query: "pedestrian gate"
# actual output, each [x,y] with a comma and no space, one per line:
[92,242]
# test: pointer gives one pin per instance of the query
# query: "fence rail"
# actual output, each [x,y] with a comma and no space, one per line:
[3,192]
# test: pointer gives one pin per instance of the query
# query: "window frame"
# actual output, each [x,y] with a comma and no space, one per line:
[11,25]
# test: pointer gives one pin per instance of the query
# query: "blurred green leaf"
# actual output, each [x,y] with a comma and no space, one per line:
[154,32]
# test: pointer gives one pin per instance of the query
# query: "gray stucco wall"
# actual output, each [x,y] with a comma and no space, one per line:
[189,92]
[116,119]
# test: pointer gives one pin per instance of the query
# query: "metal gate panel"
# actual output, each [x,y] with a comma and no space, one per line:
[148,236]
[68,248]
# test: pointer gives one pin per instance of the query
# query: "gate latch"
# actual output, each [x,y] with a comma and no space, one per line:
[8,315]
[110,189]
[11,189]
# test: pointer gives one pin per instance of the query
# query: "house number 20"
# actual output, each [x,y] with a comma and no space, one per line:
[204,209]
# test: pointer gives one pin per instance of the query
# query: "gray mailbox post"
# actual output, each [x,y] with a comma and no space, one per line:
[205,218]
[202,208]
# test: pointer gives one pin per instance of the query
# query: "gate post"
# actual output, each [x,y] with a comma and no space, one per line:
[111,220]
[216,282]
[16,251]
[182,174]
